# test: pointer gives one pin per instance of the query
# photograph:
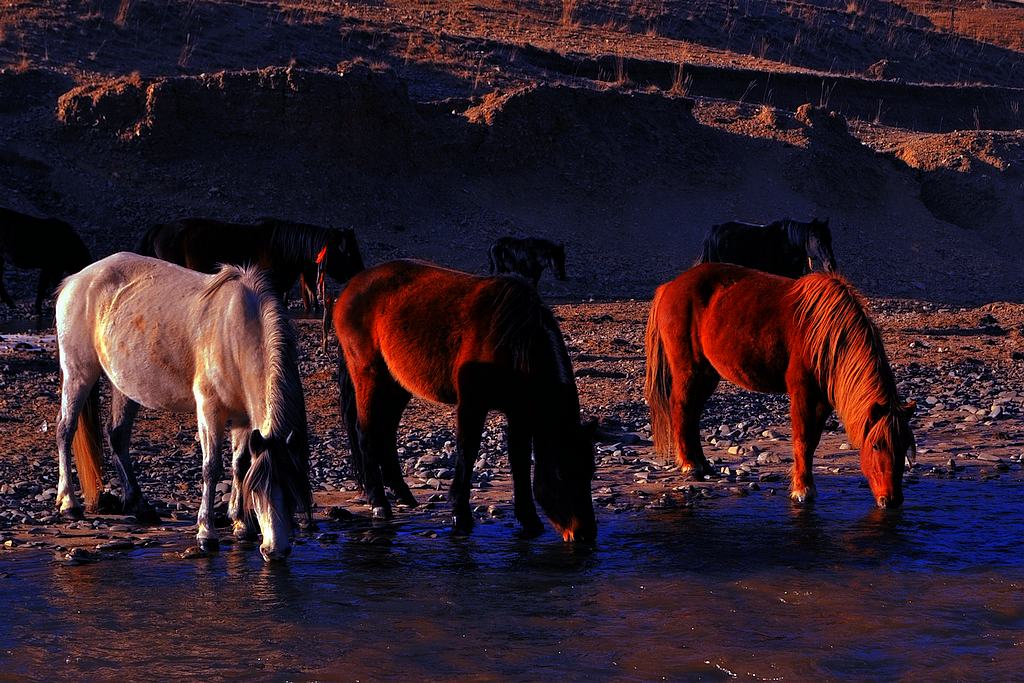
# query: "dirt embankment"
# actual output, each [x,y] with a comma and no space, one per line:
[629,179]
[889,101]
[970,178]
[356,113]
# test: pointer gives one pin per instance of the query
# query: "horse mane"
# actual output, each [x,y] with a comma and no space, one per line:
[285,407]
[298,242]
[796,232]
[521,324]
[846,351]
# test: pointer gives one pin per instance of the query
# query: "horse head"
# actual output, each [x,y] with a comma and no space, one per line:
[556,259]
[887,440]
[819,245]
[343,258]
[562,477]
[274,487]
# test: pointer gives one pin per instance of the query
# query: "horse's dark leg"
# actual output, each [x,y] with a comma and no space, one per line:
[520,446]
[373,482]
[350,416]
[809,411]
[122,416]
[470,418]
[372,439]
[48,280]
[244,526]
[391,403]
[4,296]
[309,297]
[690,391]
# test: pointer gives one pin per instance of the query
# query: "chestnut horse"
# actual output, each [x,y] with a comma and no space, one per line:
[810,338]
[408,328]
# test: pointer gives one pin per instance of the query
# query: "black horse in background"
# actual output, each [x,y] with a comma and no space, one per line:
[287,250]
[47,244]
[785,247]
[527,257]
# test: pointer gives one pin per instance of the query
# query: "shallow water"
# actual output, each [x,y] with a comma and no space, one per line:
[746,588]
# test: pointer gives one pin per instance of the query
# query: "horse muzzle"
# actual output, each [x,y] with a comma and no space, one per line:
[890,502]
[275,554]
[578,532]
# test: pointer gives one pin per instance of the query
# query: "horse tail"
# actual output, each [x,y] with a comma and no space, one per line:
[658,382]
[347,401]
[88,450]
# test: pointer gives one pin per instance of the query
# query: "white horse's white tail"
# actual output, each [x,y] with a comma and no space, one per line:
[88,449]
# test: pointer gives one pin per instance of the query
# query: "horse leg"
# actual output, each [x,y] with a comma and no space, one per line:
[122,417]
[809,411]
[75,391]
[389,412]
[520,445]
[372,440]
[689,394]
[470,420]
[4,296]
[211,426]
[243,526]
[309,297]
[47,279]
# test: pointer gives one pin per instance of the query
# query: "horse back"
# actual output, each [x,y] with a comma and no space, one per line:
[424,323]
[739,321]
[203,244]
[116,314]
[762,247]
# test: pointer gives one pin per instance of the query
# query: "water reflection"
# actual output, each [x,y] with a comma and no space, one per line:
[750,587]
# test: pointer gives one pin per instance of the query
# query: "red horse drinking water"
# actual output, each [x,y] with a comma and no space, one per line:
[810,338]
[480,343]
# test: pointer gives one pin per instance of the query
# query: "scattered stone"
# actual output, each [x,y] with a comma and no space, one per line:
[118,544]
[340,514]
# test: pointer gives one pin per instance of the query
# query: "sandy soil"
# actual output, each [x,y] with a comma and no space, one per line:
[964,367]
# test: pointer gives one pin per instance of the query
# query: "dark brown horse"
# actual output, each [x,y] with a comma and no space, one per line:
[47,244]
[408,328]
[785,247]
[284,249]
[527,257]
[810,338]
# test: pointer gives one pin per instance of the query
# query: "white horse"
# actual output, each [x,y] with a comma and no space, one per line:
[178,340]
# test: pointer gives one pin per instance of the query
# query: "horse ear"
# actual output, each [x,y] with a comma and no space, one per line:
[909,407]
[257,444]
[878,411]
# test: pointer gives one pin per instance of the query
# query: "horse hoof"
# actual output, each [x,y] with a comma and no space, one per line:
[146,514]
[408,500]
[242,532]
[209,545]
[462,524]
[109,504]
[380,512]
[802,497]
[531,530]
[75,513]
